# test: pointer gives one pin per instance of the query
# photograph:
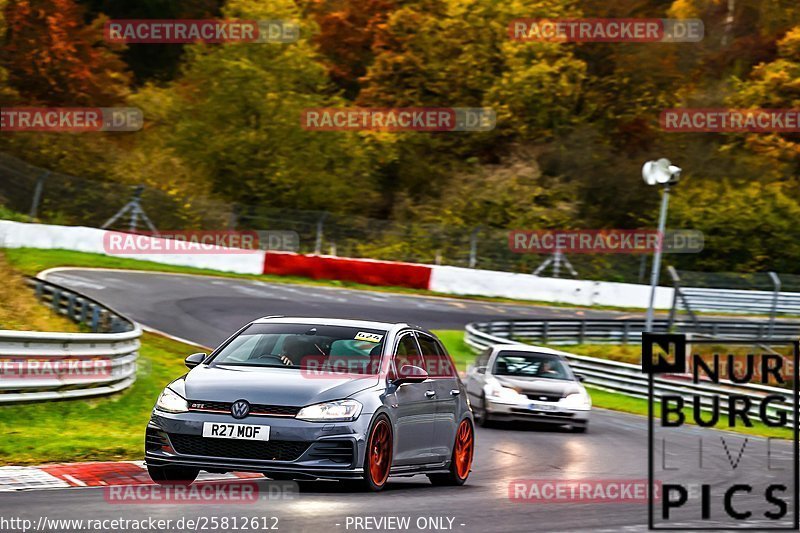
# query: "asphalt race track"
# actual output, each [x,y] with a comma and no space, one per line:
[205,310]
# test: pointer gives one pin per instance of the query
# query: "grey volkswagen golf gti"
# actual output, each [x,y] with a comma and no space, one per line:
[305,398]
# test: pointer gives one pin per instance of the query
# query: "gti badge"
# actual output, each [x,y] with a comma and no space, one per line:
[240,409]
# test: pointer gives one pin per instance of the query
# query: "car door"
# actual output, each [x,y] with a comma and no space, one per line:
[447,391]
[413,406]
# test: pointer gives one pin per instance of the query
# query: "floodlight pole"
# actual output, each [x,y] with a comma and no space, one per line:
[656,271]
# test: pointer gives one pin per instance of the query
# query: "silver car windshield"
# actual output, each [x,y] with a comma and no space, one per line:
[526,364]
[337,349]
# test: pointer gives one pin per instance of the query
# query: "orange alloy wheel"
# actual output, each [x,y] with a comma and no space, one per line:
[380,452]
[462,454]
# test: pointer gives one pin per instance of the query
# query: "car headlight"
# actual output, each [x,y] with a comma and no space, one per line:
[495,391]
[578,401]
[171,402]
[336,411]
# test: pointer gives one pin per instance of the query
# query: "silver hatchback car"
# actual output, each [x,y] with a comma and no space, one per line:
[312,398]
[527,383]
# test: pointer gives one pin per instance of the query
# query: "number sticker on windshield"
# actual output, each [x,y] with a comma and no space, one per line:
[368,337]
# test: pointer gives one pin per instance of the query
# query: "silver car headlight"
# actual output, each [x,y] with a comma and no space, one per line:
[171,402]
[498,393]
[579,401]
[336,411]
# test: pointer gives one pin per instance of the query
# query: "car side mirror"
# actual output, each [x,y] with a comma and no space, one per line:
[480,370]
[411,374]
[580,377]
[195,359]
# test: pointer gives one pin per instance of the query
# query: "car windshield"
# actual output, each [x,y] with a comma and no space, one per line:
[530,365]
[337,349]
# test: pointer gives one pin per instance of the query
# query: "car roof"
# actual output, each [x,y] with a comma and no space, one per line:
[529,348]
[366,324]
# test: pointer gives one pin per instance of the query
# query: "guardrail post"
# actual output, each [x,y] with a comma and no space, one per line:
[84,311]
[626,330]
[95,318]
[56,300]
[776,281]
[582,332]
[545,331]
[71,306]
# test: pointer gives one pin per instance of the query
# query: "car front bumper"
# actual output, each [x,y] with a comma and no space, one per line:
[502,410]
[333,450]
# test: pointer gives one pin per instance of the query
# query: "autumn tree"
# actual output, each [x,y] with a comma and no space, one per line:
[346,36]
[232,121]
[775,85]
[54,58]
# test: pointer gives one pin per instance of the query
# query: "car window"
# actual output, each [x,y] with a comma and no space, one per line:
[241,348]
[306,346]
[436,360]
[407,352]
[525,364]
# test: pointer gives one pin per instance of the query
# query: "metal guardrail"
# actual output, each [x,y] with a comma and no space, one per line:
[611,331]
[112,348]
[762,302]
[742,301]
[622,378]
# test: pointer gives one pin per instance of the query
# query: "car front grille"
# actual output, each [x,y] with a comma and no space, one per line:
[338,451]
[542,397]
[154,440]
[273,450]
[255,409]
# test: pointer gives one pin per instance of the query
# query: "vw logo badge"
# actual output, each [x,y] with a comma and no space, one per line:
[240,409]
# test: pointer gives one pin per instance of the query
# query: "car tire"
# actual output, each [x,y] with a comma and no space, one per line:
[482,417]
[461,460]
[172,475]
[579,429]
[378,454]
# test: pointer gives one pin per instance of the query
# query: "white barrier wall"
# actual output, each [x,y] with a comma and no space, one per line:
[467,281]
[82,239]
[444,279]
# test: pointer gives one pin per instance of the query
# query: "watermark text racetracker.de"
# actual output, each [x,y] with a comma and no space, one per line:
[731,120]
[237,492]
[605,241]
[430,119]
[580,491]
[62,368]
[192,242]
[206,31]
[606,30]
[71,119]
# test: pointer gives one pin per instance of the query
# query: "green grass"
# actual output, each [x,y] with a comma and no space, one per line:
[625,353]
[453,340]
[108,428]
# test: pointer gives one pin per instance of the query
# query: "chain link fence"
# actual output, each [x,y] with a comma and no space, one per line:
[54,198]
